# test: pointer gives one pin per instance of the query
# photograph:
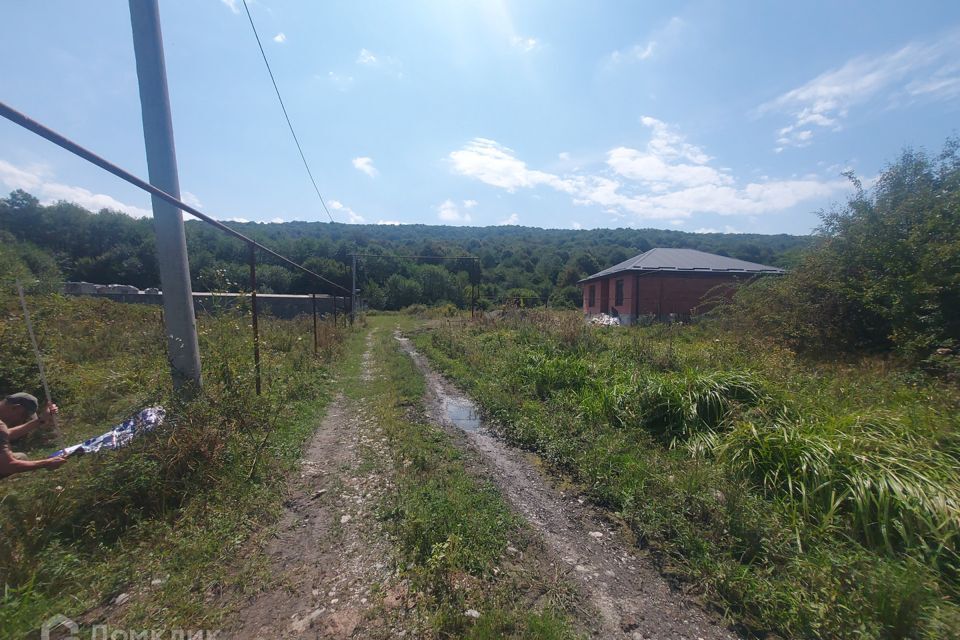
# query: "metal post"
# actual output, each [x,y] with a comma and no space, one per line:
[253,308]
[353,289]
[476,286]
[171,244]
[335,311]
[313,299]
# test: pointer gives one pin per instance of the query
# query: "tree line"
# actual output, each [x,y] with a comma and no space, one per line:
[63,240]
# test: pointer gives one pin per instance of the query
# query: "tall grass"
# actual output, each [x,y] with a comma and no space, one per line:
[183,496]
[895,491]
[814,498]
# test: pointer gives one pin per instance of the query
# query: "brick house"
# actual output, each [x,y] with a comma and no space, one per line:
[660,282]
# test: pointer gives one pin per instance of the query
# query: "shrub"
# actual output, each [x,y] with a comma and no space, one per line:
[884,274]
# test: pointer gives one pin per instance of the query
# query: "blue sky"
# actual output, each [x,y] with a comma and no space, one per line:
[724,116]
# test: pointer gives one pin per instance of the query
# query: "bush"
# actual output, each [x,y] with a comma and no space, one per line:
[884,274]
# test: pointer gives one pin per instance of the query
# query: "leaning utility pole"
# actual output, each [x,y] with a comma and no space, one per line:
[179,320]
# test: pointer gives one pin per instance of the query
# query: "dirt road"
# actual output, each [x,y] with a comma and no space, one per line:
[330,559]
[632,598]
[331,567]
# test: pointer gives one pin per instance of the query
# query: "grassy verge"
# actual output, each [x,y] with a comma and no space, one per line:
[807,500]
[164,519]
[454,534]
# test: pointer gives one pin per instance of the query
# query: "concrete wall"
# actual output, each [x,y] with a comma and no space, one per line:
[281,306]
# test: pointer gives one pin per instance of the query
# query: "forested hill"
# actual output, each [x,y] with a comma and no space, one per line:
[66,241]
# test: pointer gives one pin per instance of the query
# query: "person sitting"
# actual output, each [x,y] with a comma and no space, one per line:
[18,417]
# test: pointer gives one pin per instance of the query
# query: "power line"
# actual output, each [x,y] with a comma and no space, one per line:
[383,255]
[284,108]
[63,142]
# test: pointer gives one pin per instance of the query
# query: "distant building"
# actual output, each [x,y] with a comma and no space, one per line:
[663,282]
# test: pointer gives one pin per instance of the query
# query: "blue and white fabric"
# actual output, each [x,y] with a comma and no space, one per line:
[121,435]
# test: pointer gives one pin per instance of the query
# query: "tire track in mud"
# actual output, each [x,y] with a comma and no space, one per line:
[632,598]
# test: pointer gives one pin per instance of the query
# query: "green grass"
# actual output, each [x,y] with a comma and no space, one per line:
[810,499]
[451,529]
[166,518]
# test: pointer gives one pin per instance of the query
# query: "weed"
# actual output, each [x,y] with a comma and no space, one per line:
[452,529]
[811,499]
[178,502]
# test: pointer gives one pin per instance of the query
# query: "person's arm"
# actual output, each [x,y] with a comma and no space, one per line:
[10,465]
[44,418]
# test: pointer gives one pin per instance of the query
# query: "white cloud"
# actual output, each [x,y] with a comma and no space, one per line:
[241,220]
[665,36]
[925,70]
[394,223]
[670,179]
[188,198]
[277,220]
[575,225]
[234,5]
[386,64]
[496,165]
[525,44]
[448,212]
[365,165]
[340,82]
[514,219]
[726,229]
[280,38]
[942,85]
[635,53]
[470,204]
[366,57]
[667,161]
[41,183]
[352,216]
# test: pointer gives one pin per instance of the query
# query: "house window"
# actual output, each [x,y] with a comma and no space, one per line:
[592,296]
[618,297]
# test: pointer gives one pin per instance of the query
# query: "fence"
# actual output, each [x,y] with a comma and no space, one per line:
[65,143]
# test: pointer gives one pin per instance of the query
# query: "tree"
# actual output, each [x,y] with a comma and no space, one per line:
[401,292]
[886,272]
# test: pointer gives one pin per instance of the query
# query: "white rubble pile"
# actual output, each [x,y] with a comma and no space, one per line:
[603,320]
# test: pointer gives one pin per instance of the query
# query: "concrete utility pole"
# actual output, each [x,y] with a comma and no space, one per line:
[179,320]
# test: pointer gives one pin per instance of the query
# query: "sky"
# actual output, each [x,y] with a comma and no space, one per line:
[705,116]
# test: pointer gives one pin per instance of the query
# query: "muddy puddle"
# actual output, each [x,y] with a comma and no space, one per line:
[461,412]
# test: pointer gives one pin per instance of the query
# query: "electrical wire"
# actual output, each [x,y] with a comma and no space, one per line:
[63,142]
[306,165]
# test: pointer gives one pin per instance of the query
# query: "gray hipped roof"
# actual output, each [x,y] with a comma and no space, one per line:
[685,261]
